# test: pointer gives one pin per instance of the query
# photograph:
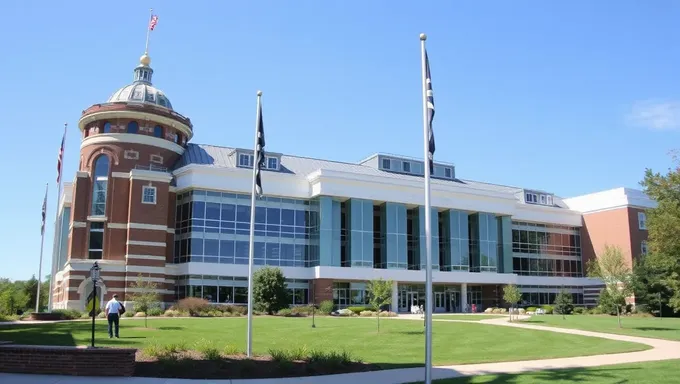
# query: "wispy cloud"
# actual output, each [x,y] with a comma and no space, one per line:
[656,115]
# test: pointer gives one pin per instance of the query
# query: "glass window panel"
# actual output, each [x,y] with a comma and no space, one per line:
[211,247]
[287,217]
[273,216]
[243,213]
[226,295]
[196,246]
[198,209]
[212,211]
[260,215]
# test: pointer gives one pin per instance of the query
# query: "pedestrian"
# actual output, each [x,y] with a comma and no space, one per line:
[114,309]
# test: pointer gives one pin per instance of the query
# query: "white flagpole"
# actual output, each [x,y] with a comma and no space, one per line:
[251,248]
[42,244]
[428,224]
[56,249]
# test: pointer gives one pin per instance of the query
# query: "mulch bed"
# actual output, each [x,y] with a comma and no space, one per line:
[191,365]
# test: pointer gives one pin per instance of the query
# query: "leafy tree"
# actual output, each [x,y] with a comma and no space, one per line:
[650,290]
[564,303]
[512,296]
[13,298]
[269,290]
[144,295]
[380,294]
[610,304]
[611,268]
[663,225]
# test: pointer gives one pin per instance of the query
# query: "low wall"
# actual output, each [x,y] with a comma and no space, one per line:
[74,361]
[45,316]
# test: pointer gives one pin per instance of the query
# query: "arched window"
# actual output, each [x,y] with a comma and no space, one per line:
[132,127]
[100,178]
[158,131]
[107,127]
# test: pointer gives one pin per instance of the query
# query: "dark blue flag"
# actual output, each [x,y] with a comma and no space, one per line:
[430,113]
[260,154]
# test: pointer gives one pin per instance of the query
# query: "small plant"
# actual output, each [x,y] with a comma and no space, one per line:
[279,355]
[230,350]
[101,315]
[304,310]
[155,311]
[208,350]
[177,346]
[548,309]
[193,305]
[579,311]
[140,314]
[287,312]
[299,353]
[128,314]
[326,307]
[367,313]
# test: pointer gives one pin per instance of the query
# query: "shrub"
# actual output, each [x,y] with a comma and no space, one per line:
[326,307]
[367,313]
[287,312]
[171,313]
[102,315]
[193,305]
[548,309]
[140,314]
[207,349]
[358,309]
[345,312]
[231,350]
[579,311]
[9,317]
[68,314]
[642,308]
[595,311]
[387,314]
[531,309]
[522,311]
[128,314]
[489,310]
[155,311]
[269,290]
[303,309]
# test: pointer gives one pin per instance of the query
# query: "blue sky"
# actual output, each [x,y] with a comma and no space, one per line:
[570,98]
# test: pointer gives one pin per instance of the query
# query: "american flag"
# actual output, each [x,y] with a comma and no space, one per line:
[259,161]
[153,22]
[60,156]
[44,213]
[430,113]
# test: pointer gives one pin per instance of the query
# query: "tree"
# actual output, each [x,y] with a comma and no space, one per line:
[651,294]
[663,226]
[269,290]
[564,303]
[13,299]
[611,268]
[380,294]
[144,295]
[512,296]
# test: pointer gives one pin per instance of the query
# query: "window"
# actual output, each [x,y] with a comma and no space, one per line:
[156,159]
[245,160]
[407,166]
[272,163]
[100,179]
[132,127]
[148,194]
[386,163]
[107,127]
[176,138]
[447,173]
[549,200]
[531,198]
[158,131]
[643,247]
[96,247]
[642,220]
[543,201]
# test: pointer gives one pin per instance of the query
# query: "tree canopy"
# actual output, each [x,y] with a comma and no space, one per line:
[269,290]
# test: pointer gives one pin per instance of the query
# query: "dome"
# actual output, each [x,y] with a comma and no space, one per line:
[141,90]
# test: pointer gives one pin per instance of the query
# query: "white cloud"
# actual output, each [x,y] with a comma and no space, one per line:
[656,115]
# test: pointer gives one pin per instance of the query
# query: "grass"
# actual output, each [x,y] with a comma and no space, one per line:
[666,372]
[399,343]
[468,317]
[659,328]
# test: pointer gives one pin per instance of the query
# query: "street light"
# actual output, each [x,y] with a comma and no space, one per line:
[94,275]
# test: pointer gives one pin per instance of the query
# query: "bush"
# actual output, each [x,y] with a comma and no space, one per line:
[140,314]
[579,311]
[366,313]
[304,310]
[193,305]
[9,317]
[358,309]
[286,312]
[68,314]
[171,313]
[387,314]
[548,309]
[155,311]
[595,311]
[208,350]
[346,312]
[531,309]
[642,308]
[489,310]
[326,307]
[128,314]
[269,290]
[102,315]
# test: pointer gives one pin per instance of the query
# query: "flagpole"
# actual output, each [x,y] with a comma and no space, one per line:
[251,248]
[56,249]
[428,224]
[148,31]
[42,244]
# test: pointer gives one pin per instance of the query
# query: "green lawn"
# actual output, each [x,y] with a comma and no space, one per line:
[467,317]
[658,372]
[399,342]
[660,328]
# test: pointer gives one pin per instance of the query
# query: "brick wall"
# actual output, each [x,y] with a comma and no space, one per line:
[73,361]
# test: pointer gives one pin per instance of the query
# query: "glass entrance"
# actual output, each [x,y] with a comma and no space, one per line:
[439,302]
[454,302]
[412,299]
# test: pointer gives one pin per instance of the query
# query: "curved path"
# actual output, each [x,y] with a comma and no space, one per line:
[661,350]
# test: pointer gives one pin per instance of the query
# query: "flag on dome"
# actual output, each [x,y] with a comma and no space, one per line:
[153,22]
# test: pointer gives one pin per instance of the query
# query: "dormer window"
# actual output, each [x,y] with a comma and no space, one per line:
[272,163]
[531,198]
[447,173]
[386,163]
[543,201]
[245,160]
[407,166]
[550,200]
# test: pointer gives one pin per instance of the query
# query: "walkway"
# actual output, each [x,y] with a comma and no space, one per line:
[661,350]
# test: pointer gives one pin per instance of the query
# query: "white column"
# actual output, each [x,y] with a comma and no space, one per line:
[395,297]
[463,297]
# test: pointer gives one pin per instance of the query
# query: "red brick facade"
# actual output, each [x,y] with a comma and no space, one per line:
[73,361]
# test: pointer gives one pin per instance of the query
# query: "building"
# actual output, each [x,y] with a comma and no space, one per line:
[147,201]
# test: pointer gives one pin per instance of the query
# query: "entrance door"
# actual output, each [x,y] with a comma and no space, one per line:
[455,302]
[412,299]
[439,305]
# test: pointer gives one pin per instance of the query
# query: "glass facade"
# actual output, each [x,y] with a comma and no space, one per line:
[232,290]
[394,243]
[454,247]
[546,250]
[100,182]
[545,295]
[361,232]
[434,226]
[349,294]
[483,230]
[214,227]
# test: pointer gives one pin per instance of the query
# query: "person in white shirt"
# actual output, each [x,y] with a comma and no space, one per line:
[113,308]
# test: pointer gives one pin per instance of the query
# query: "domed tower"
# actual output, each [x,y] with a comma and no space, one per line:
[123,203]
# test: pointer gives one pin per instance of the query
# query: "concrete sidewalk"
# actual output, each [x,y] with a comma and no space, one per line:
[661,350]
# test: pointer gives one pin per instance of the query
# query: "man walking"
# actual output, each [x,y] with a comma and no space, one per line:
[113,311]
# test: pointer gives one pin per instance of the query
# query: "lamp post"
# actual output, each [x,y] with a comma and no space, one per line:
[94,275]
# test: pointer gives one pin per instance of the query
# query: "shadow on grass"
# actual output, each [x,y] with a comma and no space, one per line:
[610,375]
[38,335]
[653,328]
[170,328]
